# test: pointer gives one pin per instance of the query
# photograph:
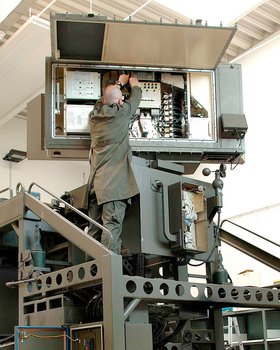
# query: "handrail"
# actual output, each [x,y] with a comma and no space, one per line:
[7,189]
[254,233]
[104,229]
[20,188]
[7,344]
[165,211]
[251,250]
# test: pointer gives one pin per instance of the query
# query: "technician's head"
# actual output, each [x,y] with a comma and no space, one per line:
[112,94]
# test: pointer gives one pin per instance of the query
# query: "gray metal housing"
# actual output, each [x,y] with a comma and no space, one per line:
[209,42]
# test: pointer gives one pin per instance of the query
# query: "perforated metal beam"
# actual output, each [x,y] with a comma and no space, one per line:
[219,295]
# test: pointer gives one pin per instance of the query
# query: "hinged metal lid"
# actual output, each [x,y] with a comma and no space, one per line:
[96,39]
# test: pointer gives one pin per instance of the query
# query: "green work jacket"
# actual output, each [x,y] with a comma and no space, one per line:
[111,175]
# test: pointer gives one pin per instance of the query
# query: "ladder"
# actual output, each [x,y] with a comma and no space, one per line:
[232,323]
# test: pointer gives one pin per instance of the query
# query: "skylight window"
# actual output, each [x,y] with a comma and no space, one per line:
[214,11]
[6,7]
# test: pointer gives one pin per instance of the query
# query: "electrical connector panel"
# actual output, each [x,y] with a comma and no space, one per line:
[189,203]
[89,337]
[40,337]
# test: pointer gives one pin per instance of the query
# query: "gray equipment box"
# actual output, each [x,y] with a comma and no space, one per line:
[34,337]
[90,336]
[233,126]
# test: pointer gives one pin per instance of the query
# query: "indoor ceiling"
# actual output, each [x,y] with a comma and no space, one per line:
[24,45]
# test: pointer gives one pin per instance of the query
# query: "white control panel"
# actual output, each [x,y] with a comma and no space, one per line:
[151,95]
[189,218]
[77,118]
[82,85]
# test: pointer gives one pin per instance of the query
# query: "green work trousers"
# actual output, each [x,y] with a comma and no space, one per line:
[110,215]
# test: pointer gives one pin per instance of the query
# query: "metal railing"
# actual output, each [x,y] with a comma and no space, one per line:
[250,231]
[21,188]
[251,249]
[7,189]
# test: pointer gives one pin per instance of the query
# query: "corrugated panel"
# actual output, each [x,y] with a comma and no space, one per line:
[257,26]
[119,9]
[22,68]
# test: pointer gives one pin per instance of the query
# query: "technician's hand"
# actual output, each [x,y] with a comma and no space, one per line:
[133,82]
[123,79]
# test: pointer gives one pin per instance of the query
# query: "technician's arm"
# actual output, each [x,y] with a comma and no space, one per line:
[135,97]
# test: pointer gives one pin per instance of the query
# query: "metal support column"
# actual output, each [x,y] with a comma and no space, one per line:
[113,306]
[218,328]
[20,233]
[266,347]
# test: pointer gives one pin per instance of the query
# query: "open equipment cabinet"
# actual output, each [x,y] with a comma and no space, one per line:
[191,109]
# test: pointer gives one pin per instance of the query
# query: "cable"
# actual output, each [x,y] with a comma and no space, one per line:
[94,308]
[167,339]
[27,335]
[159,326]
[238,162]
[7,338]
[233,157]
[23,261]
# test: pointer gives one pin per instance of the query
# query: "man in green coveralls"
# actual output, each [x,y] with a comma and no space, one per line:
[111,180]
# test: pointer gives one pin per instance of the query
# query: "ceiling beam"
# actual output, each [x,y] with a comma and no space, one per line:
[21,9]
[242,41]
[274,5]
[250,30]
[260,44]
[268,15]
[232,51]
[258,22]
[249,10]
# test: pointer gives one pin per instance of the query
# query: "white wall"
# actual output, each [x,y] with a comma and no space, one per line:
[55,176]
[255,184]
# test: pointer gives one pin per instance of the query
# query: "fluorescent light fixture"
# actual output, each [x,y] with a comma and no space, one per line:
[214,11]
[40,22]
[6,7]
[2,34]
[15,156]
